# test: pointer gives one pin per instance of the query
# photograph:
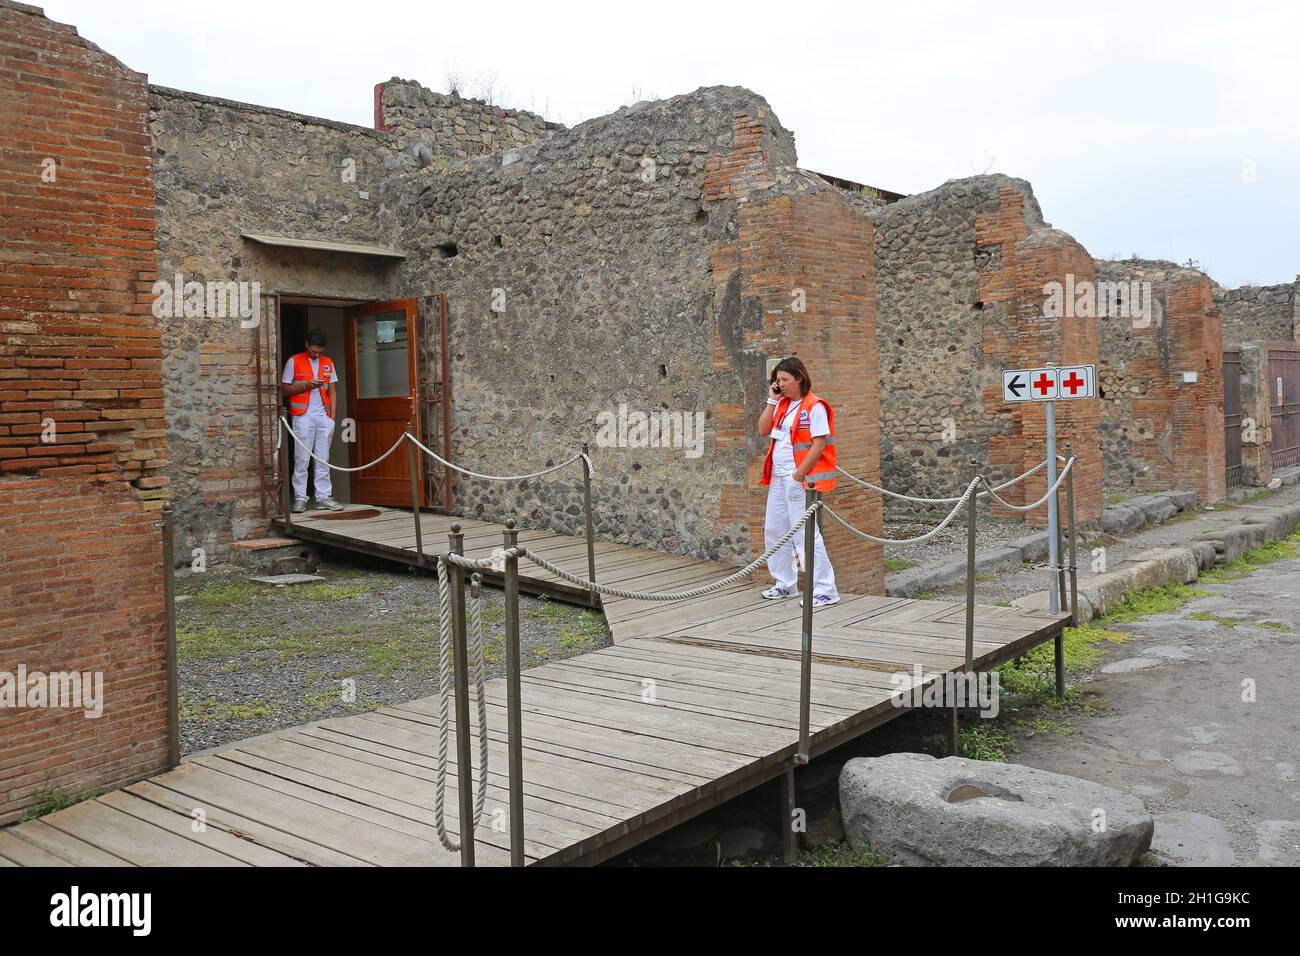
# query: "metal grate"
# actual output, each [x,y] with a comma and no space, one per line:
[1284,389]
[1232,414]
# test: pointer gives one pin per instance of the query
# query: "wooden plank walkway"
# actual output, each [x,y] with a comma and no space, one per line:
[604,768]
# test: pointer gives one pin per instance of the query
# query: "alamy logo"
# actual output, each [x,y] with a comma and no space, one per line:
[657,429]
[1092,300]
[72,689]
[952,689]
[208,300]
[103,909]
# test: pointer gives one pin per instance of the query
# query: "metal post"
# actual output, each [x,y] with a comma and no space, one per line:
[286,482]
[805,661]
[1060,551]
[415,492]
[970,569]
[586,506]
[464,764]
[514,702]
[1053,555]
[1074,544]
[789,842]
[169,605]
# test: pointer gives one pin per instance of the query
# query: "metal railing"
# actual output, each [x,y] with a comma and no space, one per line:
[506,562]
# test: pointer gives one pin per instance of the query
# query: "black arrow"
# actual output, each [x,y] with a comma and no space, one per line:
[1015,385]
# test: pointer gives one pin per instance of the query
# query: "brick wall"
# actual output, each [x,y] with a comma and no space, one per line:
[1031,255]
[802,240]
[1160,431]
[81,410]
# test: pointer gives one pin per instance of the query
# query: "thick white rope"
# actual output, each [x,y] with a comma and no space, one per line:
[1050,491]
[956,509]
[474,474]
[303,446]
[938,501]
[559,572]
[445,693]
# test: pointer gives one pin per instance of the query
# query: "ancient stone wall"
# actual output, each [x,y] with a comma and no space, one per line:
[651,256]
[1260,312]
[961,273]
[1160,379]
[452,126]
[81,417]
[223,169]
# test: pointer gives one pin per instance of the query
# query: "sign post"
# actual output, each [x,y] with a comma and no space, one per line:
[1050,384]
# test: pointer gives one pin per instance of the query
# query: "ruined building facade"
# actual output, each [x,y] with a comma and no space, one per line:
[647,265]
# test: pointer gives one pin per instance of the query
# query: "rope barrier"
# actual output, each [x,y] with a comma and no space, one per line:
[332,467]
[474,474]
[445,692]
[957,508]
[1050,491]
[559,572]
[939,501]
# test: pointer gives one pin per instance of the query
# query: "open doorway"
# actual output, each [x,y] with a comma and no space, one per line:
[392,366]
[297,318]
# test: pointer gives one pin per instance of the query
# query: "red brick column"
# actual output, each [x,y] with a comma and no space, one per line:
[1031,260]
[804,238]
[81,411]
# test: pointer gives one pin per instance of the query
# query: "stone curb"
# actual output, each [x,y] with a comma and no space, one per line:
[1099,593]
[1122,518]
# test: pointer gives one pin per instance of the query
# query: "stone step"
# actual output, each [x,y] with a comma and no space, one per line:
[275,555]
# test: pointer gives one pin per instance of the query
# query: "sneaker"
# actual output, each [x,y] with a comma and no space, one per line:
[775,593]
[299,505]
[822,600]
[329,504]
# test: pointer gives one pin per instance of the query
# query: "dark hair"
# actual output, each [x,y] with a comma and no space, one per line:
[316,337]
[792,366]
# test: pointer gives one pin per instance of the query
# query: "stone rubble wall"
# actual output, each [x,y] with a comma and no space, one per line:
[1158,430]
[452,126]
[643,258]
[1260,313]
[222,169]
[960,273]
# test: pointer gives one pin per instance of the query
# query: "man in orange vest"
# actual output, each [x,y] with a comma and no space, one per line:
[801,454]
[308,383]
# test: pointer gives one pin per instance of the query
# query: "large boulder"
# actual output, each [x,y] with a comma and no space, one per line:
[921,811]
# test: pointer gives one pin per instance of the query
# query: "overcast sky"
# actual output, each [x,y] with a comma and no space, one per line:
[1170,131]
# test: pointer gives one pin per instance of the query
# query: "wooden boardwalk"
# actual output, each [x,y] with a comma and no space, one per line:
[604,766]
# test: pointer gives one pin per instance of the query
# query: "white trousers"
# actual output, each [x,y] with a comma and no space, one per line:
[785,505]
[316,432]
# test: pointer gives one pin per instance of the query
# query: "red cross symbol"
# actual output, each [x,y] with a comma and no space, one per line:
[1043,383]
[1074,383]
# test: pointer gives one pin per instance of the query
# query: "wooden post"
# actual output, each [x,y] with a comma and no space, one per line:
[805,657]
[415,493]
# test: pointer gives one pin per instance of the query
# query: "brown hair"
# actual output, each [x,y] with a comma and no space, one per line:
[792,366]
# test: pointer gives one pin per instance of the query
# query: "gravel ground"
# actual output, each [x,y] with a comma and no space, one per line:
[991,533]
[255,658]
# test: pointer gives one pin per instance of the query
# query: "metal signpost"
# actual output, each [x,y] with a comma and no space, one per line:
[1051,384]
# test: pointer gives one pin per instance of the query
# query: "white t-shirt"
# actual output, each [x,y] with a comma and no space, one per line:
[315,404]
[783,451]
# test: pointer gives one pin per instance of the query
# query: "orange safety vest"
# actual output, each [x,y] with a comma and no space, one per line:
[801,439]
[298,404]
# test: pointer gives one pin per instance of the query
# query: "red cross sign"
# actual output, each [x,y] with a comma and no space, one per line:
[1049,384]
[1043,384]
[1073,382]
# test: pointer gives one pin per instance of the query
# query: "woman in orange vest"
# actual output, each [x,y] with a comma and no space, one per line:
[802,453]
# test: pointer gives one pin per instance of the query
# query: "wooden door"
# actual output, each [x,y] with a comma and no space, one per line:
[382,380]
